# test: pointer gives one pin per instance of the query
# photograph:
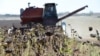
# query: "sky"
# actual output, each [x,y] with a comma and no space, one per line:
[13,6]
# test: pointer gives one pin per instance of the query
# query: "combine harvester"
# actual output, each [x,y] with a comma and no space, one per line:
[46,16]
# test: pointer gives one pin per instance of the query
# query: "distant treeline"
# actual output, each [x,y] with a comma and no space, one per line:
[80,14]
[9,15]
[59,14]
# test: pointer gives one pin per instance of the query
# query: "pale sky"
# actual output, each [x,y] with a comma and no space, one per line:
[13,6]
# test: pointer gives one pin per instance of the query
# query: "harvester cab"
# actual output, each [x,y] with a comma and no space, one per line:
[50,15]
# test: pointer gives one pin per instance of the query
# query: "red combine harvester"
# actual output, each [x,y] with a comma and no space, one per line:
[46,16]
